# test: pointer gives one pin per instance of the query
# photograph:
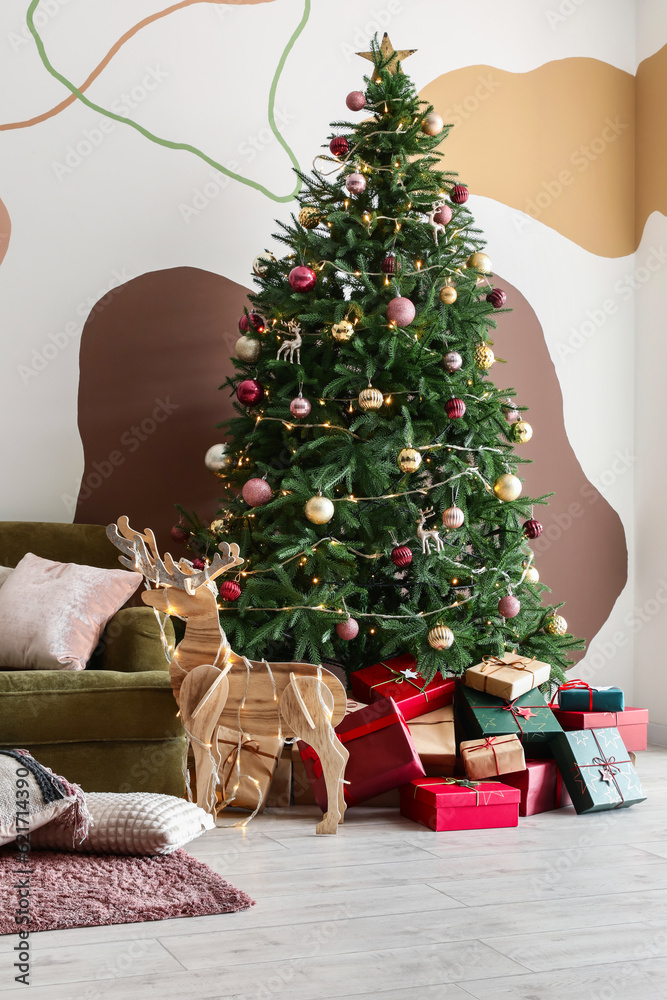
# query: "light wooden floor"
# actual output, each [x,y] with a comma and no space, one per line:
[564,908]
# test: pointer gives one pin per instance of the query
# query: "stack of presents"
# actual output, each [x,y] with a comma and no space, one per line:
[479,752]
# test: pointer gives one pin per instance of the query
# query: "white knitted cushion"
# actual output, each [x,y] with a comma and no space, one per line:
[21,791]
[130,823]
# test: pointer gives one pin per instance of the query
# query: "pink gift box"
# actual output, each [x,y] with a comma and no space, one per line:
[382,754]
[398,678]
[540,786]
[632,724]
[458,804]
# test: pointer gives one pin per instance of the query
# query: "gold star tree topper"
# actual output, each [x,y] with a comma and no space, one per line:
[390,57]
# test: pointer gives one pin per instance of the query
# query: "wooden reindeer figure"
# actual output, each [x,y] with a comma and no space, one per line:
[261,697]
[292,347]
[427,535]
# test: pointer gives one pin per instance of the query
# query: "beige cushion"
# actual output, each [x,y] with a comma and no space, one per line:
[130,823]
[52,614]
[13,789]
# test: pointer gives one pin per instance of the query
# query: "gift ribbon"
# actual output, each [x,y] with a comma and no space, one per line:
[498,664]
[463,782]
[571,686]
[493,742]
[246,743]
[398,678]
[607,764]
[510,706]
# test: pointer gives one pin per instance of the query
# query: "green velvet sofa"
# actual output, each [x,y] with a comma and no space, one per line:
[112,727]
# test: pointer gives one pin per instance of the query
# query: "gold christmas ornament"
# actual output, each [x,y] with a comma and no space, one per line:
[440,637]
[409,459]
[448,295]
[483,356]
[310,217]
[319,510]
[370,399]
[218,460]
[521,431]
[507,487]
[480,262]
[343,330]
[432,124]
[260,263]
[532,574]
[555,625]
[453,518]
[248,349]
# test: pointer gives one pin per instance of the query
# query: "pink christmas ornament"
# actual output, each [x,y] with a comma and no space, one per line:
[302,278]
[355,183]
[299,407]
[348,629]
[401,311]
[356,100]
[453,518]
[509,606]
[452,361]
[256,492]
[443,216]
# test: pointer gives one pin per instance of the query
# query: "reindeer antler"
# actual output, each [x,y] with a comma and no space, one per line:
[137,556]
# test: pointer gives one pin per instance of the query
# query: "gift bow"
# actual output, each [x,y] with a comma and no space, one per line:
[526,711]
[497,663]
[245,742]
[493,742]
[399,678]
[462,782]
[571,686]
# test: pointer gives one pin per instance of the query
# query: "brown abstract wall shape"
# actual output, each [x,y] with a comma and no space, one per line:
[582,553]
[5,230]
[557,143]
[153,354]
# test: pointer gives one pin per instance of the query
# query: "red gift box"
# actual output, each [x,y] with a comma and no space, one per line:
[632,724]
[398,679]
[459,804]
[382,754]
[540,786]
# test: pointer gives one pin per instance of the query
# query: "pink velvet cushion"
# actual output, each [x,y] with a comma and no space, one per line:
[52,614]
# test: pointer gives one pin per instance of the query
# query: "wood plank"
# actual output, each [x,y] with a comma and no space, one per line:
[644,980]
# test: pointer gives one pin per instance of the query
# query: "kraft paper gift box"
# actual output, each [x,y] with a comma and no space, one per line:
[528,717]
[578,696]
[491,756]
[632,724]
[245,760]
[459,804]
[597,770]
[435,741]
[507,676]
[399,679]
[540,786]
[382,754]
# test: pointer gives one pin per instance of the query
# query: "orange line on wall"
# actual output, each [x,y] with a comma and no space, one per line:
[112,52]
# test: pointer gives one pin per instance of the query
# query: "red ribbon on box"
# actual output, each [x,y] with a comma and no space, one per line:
[490,741]
[352,734]
[525,711]
[570,685]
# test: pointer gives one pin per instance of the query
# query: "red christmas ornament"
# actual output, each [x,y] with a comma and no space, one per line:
[443,216]
[390,265]
[339,145]
[198,563]
[497,298]
[256,320]
[401,555]
[302,278]
[356,100]
[179,534]
[256,492]
[230,590]
[532,528]
[509,606]
[250,392]
[459,194]
[455,408]
[401,311]
[348,629]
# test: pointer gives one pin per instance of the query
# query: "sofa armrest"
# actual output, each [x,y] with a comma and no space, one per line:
[131,642]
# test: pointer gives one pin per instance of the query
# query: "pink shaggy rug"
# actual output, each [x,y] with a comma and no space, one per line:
[88,890]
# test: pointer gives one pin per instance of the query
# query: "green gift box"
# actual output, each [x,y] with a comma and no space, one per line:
[597,770]
[528,717]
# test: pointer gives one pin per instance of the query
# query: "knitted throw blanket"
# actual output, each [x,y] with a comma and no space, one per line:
[54,787]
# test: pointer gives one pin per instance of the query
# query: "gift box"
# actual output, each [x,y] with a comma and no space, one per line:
[578,696]
[244,758]
[492,755]
[399,679]
[382,754]
[434,739]
[597,770]
[528,717]
[459,804]
[540,785]
[632,724]
[507,676]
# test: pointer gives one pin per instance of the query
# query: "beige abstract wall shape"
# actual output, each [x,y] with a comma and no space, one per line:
[651,172]
[557,143]
[5,230]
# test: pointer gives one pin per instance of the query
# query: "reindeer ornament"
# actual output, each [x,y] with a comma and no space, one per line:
[427,535]
[300,700]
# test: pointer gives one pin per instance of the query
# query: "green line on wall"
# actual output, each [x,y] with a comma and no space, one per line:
[185,145]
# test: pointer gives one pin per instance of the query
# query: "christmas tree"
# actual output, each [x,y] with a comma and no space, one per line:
[370,477]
